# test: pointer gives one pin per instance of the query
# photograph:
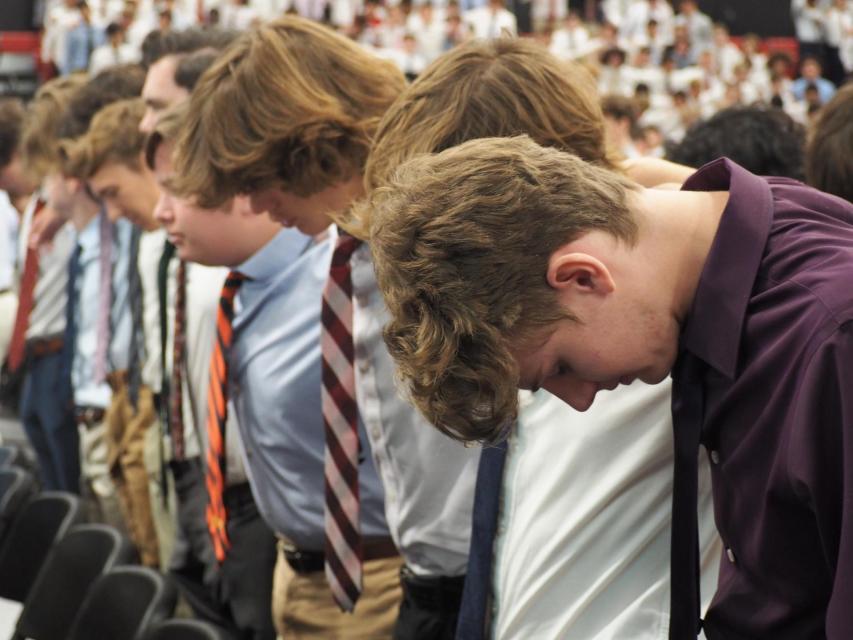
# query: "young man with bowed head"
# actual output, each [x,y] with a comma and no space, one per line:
[273,369]
[236,592]
[604,545]
[286,116]
[545,271]
[108,159]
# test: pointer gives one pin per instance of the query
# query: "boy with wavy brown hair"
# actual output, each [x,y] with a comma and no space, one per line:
[506,88]
[285,116]
[558,274]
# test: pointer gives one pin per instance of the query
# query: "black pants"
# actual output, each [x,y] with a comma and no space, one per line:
[237,595]
[430,607]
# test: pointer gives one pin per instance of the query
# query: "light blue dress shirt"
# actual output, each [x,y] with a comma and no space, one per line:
[121,319]
[86,391]
[275,379]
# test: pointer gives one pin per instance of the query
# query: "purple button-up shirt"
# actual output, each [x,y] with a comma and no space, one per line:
[772,324]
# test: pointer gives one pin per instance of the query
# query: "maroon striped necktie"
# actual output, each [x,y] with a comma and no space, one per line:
[26,301]
[176,394]
[217,413]
[340,418]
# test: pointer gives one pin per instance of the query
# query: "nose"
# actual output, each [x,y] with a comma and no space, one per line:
[114,212]
[148,122]
[578,394]
[163,210]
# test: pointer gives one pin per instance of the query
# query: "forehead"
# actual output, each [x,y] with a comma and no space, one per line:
[111,174]
[161,77]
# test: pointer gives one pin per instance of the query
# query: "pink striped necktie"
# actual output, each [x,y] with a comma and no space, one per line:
[105,292]
[340,418]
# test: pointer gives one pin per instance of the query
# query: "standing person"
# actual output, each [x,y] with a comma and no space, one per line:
[114,51]
[108,158]
[301,159]
[237,593]
[751,312]
[572,533]
[35,350]
[808,16]
[81,42]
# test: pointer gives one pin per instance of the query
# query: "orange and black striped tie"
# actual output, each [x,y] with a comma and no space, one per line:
[217,411]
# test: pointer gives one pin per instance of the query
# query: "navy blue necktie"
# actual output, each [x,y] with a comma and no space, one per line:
[137,333]
[687,416]
[70,337]
[478,582]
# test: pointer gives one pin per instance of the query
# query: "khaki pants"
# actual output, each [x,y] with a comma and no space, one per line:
[162,512]
[126,430]
[96,487]
[303,607]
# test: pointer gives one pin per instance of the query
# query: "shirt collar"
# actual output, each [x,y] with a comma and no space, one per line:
[276,255]
[714,325]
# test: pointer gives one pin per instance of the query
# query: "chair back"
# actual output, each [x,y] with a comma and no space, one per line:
[16,488]
[124,604]
[43,521]
[187,629]
[85,553]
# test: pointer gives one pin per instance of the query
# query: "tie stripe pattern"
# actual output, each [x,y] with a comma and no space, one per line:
[217,411]
[26,301]
[176,393]
[340,418]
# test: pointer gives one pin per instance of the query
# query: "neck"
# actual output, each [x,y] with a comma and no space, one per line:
[84,209]
[677,229]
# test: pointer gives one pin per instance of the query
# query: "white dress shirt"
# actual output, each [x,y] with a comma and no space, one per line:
[203,288]
[48,315]
[485,23]
[583,543]
[8,231]
[150,248]
[87,392]
[428,478]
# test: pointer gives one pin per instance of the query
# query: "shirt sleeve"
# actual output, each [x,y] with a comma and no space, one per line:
[821,465]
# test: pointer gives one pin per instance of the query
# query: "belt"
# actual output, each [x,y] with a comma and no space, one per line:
[89,416]
[436,593]
[313,561]
[40,347]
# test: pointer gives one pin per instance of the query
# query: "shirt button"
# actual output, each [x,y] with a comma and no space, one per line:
[731,555]
[376,433]
[715,457]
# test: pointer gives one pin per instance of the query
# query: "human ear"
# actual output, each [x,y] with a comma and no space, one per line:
[573,271]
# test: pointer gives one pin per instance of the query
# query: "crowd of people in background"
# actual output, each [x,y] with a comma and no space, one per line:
[128,229]
[672,64]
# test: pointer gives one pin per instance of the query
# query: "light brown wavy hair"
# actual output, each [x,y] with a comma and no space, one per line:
[829,151]
[39,146]
[113,136]
[461,242]
[290,104]
[502,87]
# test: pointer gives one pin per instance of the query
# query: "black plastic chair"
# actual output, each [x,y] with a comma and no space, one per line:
[186,629]
[11,455]
[46,519]
[16,488]
[77,560]
[124,604]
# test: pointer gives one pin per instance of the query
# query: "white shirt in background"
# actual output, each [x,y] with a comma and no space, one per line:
[583,543]
[428,478]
